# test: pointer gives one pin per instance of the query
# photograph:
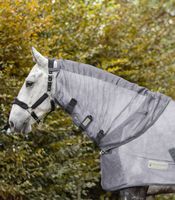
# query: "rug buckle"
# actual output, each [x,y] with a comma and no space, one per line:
[102,152]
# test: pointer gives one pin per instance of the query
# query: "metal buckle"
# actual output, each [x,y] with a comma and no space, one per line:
[50,77]
[70,106]
[102,152]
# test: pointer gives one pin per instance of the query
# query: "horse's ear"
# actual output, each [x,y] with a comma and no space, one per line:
[38,58]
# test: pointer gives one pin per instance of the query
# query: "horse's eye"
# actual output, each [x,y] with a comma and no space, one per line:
[29,83]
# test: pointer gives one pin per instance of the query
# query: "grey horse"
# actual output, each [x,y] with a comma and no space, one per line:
[132,126]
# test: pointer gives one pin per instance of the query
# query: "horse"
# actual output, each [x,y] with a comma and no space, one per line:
[131,125]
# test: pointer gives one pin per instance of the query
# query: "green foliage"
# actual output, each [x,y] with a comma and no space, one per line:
[165,197]
[139,45]
[33,167]
[133,39]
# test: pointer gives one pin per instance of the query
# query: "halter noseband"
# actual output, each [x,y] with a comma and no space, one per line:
[31,109]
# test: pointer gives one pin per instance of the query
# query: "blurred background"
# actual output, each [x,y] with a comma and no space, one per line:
[134,39]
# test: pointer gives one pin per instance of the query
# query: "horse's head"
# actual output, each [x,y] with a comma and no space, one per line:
[34,98]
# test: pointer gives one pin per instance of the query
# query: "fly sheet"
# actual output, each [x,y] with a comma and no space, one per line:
[133,127]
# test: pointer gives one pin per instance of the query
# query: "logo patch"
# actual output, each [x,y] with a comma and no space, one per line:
[152,164]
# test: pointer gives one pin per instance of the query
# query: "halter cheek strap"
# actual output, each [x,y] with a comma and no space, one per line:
[42,98]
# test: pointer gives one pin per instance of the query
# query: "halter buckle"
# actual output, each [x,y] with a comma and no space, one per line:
[49,86]
[50,77]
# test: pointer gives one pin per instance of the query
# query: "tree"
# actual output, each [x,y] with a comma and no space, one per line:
[133,40]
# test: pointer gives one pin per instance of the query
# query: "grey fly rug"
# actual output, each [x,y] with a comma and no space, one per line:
[133,127]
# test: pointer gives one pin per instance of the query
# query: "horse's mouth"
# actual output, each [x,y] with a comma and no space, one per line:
[25,128]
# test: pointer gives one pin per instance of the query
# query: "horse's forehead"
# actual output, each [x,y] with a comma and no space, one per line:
[34,71]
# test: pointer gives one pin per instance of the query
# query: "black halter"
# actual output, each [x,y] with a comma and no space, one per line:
[42,98]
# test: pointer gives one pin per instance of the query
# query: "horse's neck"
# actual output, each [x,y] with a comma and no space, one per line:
[98,96]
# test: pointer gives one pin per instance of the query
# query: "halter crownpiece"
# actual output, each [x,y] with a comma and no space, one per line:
[31,109]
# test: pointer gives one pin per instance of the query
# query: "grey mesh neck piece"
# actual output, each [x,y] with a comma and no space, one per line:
[111,110]
[133,126]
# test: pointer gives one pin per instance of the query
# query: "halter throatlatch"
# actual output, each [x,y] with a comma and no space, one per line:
[31,109]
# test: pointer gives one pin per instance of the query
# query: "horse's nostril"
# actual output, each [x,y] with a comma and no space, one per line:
[11,124]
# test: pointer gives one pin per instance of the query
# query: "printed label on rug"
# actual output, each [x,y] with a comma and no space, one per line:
[157,165]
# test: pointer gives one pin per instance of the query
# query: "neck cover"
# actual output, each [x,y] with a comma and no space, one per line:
[121,118]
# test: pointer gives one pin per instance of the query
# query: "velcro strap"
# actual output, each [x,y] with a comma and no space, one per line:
[35,117]
[40,100]
[70,107]
[172,153]
[20,103]
[86,122]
